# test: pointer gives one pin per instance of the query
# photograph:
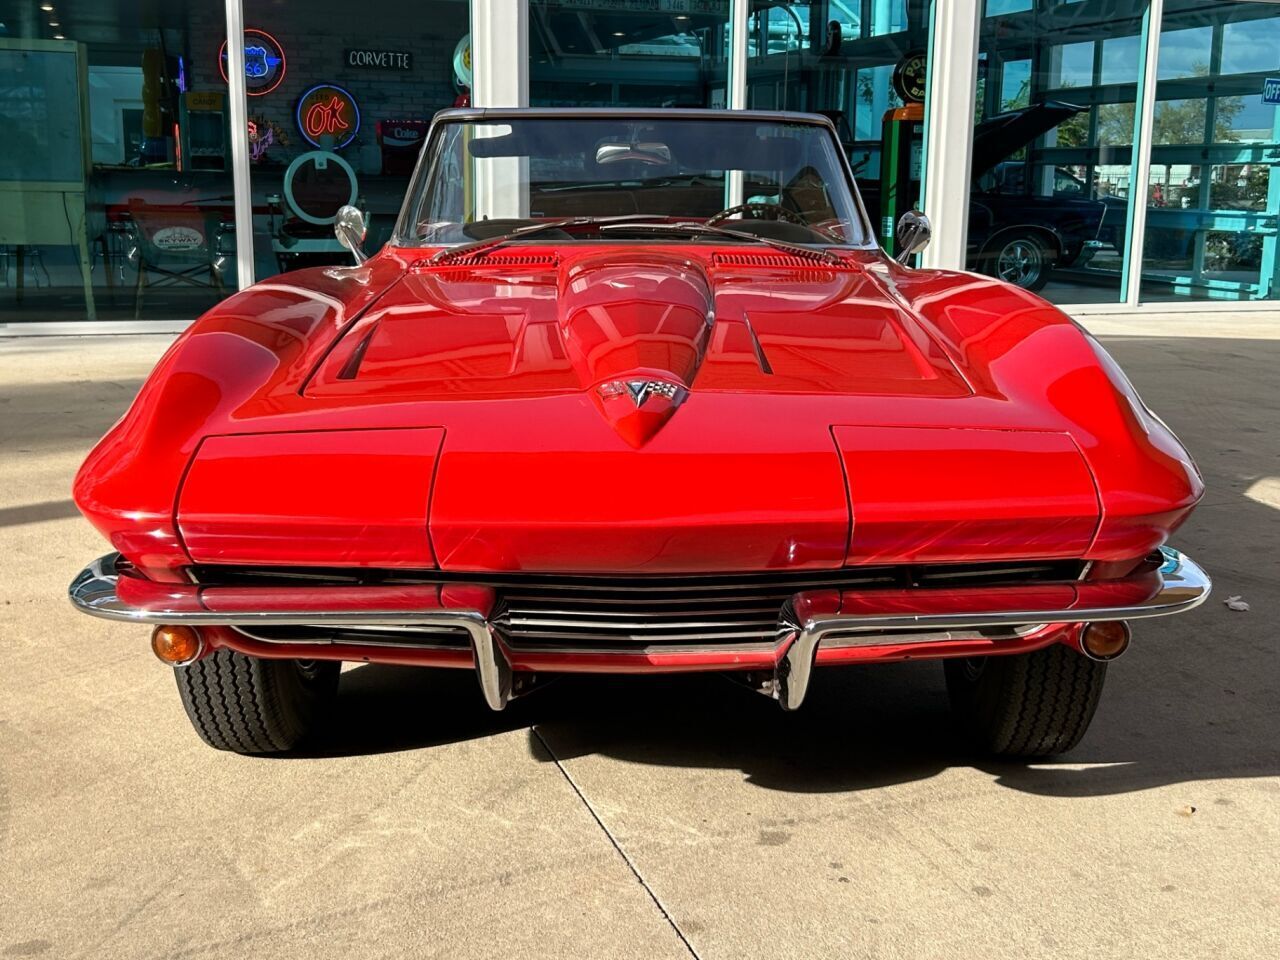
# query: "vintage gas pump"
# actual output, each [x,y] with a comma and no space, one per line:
[902,148]
[900,159]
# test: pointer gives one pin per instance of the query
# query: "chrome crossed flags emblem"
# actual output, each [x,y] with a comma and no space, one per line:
[641,390]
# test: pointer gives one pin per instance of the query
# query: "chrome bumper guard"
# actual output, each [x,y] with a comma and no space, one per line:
[1171,583]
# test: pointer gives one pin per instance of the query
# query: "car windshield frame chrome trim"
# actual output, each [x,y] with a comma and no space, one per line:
[402,234]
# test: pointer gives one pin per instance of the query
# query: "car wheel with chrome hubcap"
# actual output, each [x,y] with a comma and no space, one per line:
[1022,261]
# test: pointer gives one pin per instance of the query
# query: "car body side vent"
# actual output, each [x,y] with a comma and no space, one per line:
[789,261]
[479,261]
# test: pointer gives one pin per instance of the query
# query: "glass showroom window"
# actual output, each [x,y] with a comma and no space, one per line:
[1053,153]
[863,65]
[115,175]
[1213,196]
[339,99]
[586,53]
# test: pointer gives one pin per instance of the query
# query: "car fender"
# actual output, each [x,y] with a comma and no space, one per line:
[255,345]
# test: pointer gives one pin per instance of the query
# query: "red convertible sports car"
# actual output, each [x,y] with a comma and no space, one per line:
[636,392]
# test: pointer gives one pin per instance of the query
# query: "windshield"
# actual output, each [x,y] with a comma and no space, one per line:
[486,178]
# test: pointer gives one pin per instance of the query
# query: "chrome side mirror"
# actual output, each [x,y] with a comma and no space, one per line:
[914,234]
[349,227]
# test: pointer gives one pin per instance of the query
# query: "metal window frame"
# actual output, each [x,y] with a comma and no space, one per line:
[951,86]
[736,94]
[1140,169]
[500,53]
[238,115]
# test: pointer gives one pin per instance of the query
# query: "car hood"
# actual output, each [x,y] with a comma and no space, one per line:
[636,332]
[995,138]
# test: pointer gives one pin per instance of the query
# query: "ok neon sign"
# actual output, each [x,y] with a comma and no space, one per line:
[325,118]
[328,111]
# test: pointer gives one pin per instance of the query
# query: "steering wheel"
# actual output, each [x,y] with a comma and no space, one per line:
[758,211]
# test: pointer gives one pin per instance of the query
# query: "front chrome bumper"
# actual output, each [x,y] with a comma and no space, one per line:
[1170,583]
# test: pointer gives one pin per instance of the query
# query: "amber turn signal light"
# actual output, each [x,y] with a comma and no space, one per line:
[1106,640]
[176,645]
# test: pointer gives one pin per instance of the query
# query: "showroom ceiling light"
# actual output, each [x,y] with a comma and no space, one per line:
[47,7]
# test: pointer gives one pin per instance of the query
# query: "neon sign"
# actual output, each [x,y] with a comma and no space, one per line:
[264,63]
[328,116]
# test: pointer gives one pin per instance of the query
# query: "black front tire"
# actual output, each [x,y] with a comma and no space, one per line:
[1029,705]
[253,706]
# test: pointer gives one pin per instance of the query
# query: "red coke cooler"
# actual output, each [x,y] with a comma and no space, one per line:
[400,141]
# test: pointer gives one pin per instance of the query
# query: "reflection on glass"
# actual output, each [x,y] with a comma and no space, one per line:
[1179,121]
[1120,58]
[1212,204]
[115,183]
[1184,53]
[888,17]
[1244,119]
[1057,102]
[1249,44]
[631,55]
[347,120]
[996,8]
[1071,65]
[839,60]
[1115,124]
[1015,85]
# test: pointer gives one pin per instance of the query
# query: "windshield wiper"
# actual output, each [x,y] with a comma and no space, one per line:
[531,230]
[825,256]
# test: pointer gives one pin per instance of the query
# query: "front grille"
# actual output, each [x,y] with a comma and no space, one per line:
[548,610]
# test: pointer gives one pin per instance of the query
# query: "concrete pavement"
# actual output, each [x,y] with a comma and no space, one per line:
[639,818]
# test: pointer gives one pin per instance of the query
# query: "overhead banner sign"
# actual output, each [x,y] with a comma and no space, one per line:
[364,58]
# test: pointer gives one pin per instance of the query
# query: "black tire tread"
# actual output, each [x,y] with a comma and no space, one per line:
[249,705]
[1031,705]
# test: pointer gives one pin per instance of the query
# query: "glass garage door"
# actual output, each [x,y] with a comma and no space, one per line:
[1059,87]
[1213,194]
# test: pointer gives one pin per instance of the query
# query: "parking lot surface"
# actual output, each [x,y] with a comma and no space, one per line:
[619,818]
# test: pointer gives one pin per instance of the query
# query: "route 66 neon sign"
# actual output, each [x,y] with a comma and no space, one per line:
[264,63]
